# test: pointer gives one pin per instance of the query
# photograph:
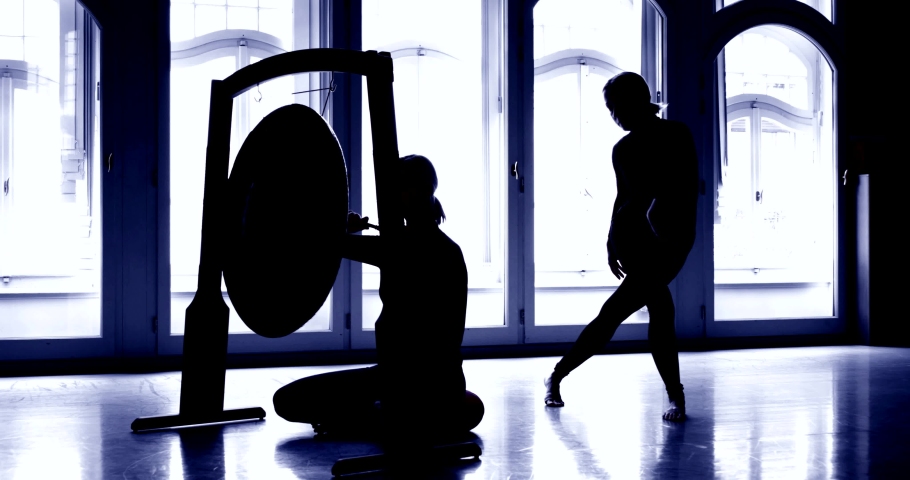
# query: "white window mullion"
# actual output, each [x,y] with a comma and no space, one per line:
[6,138]
[489,112]
[754,213]
[303,40]
[756,154]
[243,101]
[6,155]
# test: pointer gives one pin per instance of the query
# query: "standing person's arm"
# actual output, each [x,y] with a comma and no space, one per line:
[621,195]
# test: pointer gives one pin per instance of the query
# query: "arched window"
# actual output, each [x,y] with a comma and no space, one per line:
[50,202]
[578,46]
[211,39]
[448,105]
[774,229]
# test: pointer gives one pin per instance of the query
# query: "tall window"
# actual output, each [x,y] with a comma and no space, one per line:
[211,39]
[774,233]
[50,202]
[448,108]
[578,46]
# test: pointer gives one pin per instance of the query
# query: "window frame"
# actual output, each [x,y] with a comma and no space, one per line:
[493,135]
[105,344]
[723,26]
[653,69]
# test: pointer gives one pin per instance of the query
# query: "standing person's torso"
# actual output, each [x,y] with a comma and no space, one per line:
[657,161]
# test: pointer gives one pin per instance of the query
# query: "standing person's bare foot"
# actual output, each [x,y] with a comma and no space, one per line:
[553,398]
[677,410]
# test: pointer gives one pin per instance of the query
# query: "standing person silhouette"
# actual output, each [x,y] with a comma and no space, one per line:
[418,387]
[651,233]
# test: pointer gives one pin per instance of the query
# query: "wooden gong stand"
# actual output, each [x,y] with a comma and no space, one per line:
[206,335]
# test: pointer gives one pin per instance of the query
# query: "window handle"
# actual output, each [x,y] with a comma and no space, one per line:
[6,187]
[521,180]
[759,196]
[110,161]
[845,176]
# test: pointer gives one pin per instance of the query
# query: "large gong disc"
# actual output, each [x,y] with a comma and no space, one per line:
[287,206]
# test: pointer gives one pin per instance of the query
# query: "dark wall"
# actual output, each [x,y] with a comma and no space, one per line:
[870,126]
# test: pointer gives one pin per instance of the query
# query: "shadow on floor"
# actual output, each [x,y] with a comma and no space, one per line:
[303,455]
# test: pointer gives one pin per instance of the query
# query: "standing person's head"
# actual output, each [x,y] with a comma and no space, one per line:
[418,187]
[629,100]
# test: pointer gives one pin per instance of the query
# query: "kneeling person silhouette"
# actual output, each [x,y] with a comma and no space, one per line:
[417,390]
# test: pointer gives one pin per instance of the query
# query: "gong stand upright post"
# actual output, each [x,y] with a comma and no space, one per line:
[205,342]
[385,154]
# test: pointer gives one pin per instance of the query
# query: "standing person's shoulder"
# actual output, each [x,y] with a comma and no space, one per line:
[621,148]
[677,129]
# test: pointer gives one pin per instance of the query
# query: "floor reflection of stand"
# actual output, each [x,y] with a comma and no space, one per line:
[441,455]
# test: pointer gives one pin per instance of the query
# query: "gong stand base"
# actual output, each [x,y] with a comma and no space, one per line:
[143,424]
[441,455]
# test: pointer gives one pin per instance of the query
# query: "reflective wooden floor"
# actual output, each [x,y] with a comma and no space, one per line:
[801,413]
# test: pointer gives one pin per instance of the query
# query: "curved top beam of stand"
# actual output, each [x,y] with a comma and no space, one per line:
[370,63]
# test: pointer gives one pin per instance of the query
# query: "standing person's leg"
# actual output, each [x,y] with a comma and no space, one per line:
[341,400]
[626,300]
[662,339]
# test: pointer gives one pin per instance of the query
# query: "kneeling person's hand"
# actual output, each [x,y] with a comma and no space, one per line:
[357,223]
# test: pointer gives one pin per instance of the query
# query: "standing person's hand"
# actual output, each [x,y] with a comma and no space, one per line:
[615,266]
[357,223]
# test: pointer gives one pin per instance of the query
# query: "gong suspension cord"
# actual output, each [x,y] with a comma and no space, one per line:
[330,88]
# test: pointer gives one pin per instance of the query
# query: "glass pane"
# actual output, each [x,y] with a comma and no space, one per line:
[733,235]
[190,19]
[242,18]
[770,61]
[183,22]
[12,22]
[37,22]
[50,206]
[451,27]
[608,26]
[574,181]
[823,6]
[277,22]
[449,130]
[12,48]
[210,19]
[774,244]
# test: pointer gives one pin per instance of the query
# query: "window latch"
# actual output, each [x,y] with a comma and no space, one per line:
[759,196]
[515,170]
[6,187]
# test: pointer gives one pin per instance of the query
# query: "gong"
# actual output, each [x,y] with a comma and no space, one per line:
[285,218]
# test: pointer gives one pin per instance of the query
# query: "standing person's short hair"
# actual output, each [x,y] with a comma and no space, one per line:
[418,172]
[629,90]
